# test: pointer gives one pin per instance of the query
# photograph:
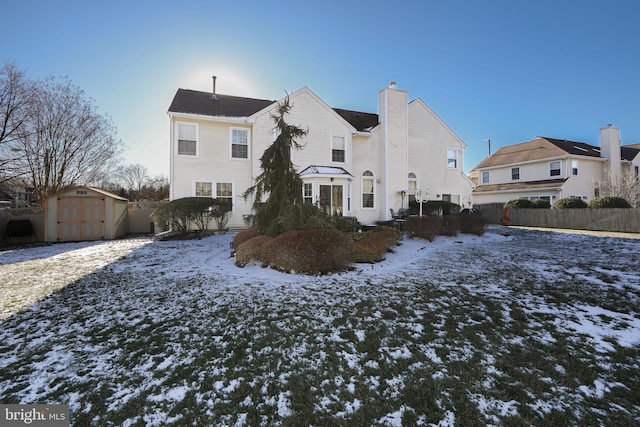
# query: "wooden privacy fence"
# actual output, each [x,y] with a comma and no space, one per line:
[620,220]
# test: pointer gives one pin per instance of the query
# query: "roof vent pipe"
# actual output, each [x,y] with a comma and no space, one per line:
[213,94]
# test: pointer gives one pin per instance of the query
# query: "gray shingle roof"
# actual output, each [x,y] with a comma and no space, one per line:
[196,102]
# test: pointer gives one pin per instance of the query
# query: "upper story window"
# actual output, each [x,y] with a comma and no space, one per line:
[412,180]
[452,159]
[204,189]
[515,174]
[485,177]
[368,189]
[574,167]
[636,170]
[554,168]
[338,149]
[187,139]
[239,143]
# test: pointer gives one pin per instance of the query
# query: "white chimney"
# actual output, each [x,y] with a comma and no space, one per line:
[610,150]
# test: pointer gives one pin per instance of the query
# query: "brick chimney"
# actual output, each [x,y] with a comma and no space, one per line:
[610,150]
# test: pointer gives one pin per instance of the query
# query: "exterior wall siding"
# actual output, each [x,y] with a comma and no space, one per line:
[384,151]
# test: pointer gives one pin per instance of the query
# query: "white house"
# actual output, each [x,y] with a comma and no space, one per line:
[551,169]
[355,164]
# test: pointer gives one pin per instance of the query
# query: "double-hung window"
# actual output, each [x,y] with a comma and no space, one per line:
[515,174]
[187,139]
[367,189]
[239,143]
[338,149]
[224,190]
[554,168]
[452,158]
[204,189]
[574,167]
[307,194]
[485,177]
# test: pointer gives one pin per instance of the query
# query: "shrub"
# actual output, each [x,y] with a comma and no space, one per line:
[609,202]
[317,251]
[251,250]
[570,203]
[180,214]
[370,249]
[435,207]
[345,223]
[518,204]
[245,235]
[423,227]
[450,225]
[472,224]
[389,234]
[540,204]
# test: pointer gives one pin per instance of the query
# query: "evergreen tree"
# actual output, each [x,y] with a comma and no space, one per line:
[284,209]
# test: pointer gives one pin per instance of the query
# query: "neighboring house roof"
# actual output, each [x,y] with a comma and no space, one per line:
[529,185]
[542,148]
[196,102]
[537,149]
[575,148]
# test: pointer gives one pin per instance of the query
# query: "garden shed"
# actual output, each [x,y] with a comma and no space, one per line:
[85,213]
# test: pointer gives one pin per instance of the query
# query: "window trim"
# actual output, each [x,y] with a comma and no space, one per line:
[559,168]
[371,178]
[515,169]
[482,175]
[575,167]
[177,139]
[456,159]
[195,188]
[344,138]
[231,143]
[305,198]
[233,192]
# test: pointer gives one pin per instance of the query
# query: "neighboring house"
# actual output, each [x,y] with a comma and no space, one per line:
[353,163]
[16,194]
[551,169]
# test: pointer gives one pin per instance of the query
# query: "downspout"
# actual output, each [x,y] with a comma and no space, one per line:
[171,155]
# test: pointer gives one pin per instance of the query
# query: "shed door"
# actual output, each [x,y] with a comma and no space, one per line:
[80,218]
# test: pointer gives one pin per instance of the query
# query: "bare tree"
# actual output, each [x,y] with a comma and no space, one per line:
[15,91]
[66,142]
[625,185]
[133,177]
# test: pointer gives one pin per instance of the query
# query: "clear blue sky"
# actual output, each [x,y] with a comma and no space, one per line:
[505,70]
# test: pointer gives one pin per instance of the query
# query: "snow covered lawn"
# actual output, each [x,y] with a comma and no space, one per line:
[516,327]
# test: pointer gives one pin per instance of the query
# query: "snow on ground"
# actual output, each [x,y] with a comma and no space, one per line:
[516,324]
